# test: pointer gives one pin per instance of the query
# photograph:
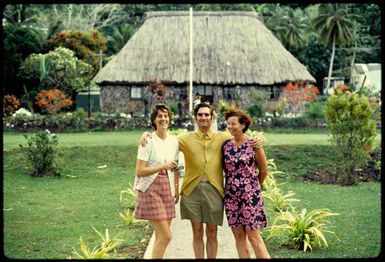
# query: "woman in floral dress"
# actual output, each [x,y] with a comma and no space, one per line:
[243,196]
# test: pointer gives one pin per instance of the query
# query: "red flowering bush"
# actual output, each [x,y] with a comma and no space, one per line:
[157,89]
[343,87]
[52,101]
[295,96]
[10,105]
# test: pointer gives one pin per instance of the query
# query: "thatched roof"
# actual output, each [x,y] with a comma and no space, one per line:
[230,47]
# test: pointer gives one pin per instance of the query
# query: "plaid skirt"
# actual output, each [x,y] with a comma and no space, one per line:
[156,203]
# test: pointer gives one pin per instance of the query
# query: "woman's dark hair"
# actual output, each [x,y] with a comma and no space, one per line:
[154,113]
[198,106]
[243,117]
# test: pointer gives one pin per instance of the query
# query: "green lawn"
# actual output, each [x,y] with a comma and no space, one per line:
[44,218]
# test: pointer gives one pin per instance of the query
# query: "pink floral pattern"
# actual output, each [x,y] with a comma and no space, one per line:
[243,197]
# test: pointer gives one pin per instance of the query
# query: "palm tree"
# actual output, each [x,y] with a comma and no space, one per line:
[294,27]
[119,36]
[20,15]
[274,18]
[334,26]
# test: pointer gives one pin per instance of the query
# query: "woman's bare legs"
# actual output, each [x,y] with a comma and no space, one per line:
[162,237]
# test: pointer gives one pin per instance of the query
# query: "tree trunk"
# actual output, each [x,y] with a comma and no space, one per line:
[331,63]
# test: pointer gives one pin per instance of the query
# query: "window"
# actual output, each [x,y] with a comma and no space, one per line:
[229,93]
[180,93]
[206,92]
[136,92]
[274,92]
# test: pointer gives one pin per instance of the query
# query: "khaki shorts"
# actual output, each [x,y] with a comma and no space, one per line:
[204,205]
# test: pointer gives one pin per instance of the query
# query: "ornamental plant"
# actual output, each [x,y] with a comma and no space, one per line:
[10,105]
[279,201]
[303,231]
[271,191]
[158,90]
[154,92]
[102,251]
[128,197]
[259,102]
[349,119]
[86,45]
[294,97]
[41,152]
[59,68]
[128,218]
[52,101]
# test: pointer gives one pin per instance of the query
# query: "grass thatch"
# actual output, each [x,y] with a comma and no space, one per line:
[230,47]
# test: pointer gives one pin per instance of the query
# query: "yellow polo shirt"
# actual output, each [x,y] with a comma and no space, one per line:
[203,156]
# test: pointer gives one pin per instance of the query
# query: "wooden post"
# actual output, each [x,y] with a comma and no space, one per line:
[191,62]
[100,55]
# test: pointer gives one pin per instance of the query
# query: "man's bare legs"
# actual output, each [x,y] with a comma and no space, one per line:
[212,241]
[198,242]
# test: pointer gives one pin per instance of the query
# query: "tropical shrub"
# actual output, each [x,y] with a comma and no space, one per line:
[303,230]
[179,131]
[256,133]
[314,110]
[59,68]
[224,106]
[350,122]
[41,152]
[10,105]
[99,252]
[18,43]
[128,197]
[52,101]
[374,97]
[259,106]
[86,45]
[128,218]
[279,201]
[22,112]
[79,112]
[157,89]
[294,97]
[174,108]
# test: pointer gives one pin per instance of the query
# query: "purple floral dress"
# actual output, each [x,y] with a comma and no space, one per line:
[243,197]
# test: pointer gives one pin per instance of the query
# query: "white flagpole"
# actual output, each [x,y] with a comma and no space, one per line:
[191,62]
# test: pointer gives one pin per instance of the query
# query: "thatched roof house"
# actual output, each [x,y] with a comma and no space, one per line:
[232,52]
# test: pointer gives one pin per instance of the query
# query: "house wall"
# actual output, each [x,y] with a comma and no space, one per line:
[117,98]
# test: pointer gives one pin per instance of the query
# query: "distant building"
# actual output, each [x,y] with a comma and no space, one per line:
[89,97]
[367,75]
[334,81]
[233,51]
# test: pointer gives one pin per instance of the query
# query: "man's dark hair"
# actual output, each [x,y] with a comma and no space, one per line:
[198,106]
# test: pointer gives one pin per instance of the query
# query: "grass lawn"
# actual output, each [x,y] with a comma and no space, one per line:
[358,226]
[44,218]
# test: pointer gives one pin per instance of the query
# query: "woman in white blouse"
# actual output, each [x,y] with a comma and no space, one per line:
[155,160]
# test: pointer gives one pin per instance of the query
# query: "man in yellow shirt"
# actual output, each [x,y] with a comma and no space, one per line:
[202,189]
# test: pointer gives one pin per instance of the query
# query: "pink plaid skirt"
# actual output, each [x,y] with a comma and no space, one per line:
[156,203]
